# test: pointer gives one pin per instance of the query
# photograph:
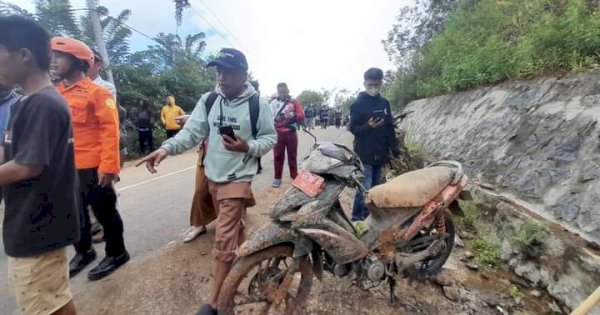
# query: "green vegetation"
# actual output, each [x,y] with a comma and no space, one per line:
[515,292]
[413,147]
[529,234]
[472,212]
[468,43]
[488,250]
[173,65]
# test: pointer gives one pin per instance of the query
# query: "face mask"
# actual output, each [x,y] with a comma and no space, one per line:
[373,91]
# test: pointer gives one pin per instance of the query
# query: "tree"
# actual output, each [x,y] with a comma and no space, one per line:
[116,34]
[180,5]
[416,26]
[7,9]
[57,17]
[171,48]
[311,98]
[344,100]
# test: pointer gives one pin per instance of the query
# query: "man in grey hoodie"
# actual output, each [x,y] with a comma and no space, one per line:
[230,163]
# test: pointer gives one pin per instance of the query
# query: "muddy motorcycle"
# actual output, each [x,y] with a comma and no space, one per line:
[408,233]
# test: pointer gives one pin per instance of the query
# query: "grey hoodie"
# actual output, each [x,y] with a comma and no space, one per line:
[222,165]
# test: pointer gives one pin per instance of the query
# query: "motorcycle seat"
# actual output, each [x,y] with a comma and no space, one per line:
[412,189]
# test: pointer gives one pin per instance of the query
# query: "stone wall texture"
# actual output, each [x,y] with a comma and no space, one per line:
[537,141]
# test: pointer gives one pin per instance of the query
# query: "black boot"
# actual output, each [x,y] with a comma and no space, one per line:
[107,266]
[80,261]
[207,309]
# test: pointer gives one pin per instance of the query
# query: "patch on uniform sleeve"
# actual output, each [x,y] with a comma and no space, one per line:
[110,103]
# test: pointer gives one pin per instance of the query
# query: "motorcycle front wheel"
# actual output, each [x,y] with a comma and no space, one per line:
[267,282]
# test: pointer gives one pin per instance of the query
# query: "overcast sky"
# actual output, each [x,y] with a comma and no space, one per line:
[310,44]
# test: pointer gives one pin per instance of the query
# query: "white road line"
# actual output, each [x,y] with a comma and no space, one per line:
[155,179]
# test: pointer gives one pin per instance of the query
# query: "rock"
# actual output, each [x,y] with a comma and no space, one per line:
[501,310]
[535,293]
[554,307]
[519,301]
[570,288]
[590,172]
[593,245]
[567,207]
[526,140]
[466,235]
[485,276]
[529,270]
[458,241]
[469,255]
[452,293]
[473,266]
[491,300]
[443,278]
[519,281]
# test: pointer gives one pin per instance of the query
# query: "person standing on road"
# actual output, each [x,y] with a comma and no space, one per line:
[39,180]
[324,116]
[230,162]
[309,115]
[96,139]
[144,122]
[94,74]
[287,112]
[168,116]
[372,124]
[338,117]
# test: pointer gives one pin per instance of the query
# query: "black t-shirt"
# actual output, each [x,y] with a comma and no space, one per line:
[41,213]
[144,117]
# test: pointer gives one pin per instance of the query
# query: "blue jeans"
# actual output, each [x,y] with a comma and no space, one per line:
[372,178]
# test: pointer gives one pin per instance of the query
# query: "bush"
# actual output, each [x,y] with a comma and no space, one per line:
[489,41]
[471,213]
[488,250]
[530,236]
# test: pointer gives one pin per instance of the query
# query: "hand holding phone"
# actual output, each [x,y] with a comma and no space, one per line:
[227,130]
[375,122]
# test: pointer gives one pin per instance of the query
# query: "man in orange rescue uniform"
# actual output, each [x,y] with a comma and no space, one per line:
[96,135]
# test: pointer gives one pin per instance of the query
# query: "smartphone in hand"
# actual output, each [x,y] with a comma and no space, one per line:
[227,130]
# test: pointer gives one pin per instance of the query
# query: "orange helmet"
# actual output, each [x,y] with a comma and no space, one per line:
[73,47]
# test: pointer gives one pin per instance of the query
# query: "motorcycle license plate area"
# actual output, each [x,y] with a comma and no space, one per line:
[309,183]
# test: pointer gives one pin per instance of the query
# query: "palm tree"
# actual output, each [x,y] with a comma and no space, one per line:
[7,9]
[180,5]
[116,34]
[57,17]
[171,48]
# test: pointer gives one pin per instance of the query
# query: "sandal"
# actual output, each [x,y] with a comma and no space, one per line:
[194,232]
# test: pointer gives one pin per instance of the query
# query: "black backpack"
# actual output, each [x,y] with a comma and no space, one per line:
[254,112]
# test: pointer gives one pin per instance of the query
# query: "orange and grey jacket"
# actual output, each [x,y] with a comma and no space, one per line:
[95,126]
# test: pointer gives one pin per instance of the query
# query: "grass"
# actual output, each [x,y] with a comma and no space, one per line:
[488,250]
[413,147]
[488,41]
[472,213]
[529,234]
[515,292]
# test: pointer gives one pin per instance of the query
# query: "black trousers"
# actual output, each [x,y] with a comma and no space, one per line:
[103,201]
[145,137]
[172,133]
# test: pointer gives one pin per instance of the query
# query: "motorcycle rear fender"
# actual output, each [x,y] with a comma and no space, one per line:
[271,234]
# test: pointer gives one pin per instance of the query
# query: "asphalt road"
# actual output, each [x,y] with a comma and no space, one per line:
[155,208]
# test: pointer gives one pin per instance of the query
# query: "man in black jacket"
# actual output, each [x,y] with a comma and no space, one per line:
[372,124]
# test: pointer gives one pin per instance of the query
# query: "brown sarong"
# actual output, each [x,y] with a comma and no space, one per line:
[202,211]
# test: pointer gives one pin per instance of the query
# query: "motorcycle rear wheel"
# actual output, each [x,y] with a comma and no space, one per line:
[255,280]
[434,264]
